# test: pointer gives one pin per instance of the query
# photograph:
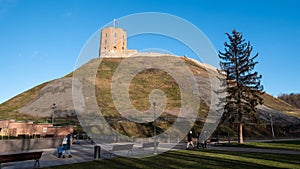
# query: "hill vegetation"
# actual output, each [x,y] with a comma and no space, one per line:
[292,99]
[9,109]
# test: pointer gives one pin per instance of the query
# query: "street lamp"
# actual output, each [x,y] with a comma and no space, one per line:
[53,107]
[154,124]
[271,120]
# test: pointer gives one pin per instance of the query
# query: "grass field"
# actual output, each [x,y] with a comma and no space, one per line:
[196,159]
[281,145]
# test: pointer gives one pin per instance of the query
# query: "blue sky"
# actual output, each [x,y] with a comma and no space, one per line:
[41,39]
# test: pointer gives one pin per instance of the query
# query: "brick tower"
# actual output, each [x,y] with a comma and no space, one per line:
[112,41]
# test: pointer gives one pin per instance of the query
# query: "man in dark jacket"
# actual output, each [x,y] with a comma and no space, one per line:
[190,140]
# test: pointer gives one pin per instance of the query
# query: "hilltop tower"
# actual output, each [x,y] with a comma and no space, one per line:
[113,40]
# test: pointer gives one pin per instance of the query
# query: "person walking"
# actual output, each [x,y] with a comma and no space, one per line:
[202,140]
[67,146]
[199,139]
[190,140]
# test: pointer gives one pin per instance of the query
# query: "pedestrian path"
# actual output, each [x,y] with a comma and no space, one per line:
[239,149]
[80,153]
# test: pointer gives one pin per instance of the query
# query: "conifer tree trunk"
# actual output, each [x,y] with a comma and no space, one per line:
[241,140]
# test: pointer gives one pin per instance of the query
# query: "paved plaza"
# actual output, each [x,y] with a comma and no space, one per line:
[84,151]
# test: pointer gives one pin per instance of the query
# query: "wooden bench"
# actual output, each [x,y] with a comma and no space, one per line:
[148,145]
[5,158]
[121,147]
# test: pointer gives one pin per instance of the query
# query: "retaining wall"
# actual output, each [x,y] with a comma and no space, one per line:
[28,144]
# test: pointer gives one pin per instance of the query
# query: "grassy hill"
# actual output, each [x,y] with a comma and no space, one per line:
[140,88]
[9,109]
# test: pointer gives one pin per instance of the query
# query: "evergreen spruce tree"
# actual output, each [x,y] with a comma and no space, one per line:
[243,83]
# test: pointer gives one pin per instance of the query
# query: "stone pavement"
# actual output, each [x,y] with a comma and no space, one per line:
[83,151]
[80,153]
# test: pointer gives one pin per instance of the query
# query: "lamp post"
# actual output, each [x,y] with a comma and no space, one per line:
[53,112]
[154,124]
[271,120]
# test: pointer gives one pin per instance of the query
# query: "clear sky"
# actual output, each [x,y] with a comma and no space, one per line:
[40,40]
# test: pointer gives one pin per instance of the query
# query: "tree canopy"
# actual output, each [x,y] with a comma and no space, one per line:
[292,99]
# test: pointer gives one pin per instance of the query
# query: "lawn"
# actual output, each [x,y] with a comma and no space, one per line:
[282,145]
[195,159]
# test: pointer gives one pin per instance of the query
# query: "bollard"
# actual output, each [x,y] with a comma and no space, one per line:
[97,152]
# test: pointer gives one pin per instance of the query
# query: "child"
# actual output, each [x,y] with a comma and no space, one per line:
[59,151]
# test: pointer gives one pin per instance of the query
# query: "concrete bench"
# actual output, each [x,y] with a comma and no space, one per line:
[148,145]
[121,147]
[6,158]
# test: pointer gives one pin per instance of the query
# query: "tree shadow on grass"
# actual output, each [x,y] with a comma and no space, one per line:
[216,162]
[284,158]
[183,159]
[280,145]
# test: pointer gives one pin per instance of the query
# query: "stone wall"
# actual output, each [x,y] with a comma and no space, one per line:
[28,144]
[13,128]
